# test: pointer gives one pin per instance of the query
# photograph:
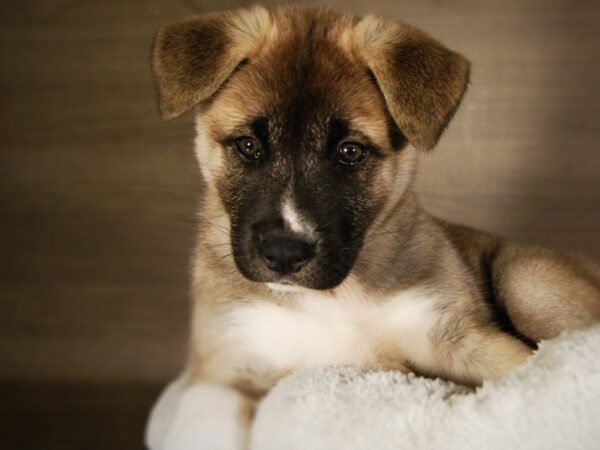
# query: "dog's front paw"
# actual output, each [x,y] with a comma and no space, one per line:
[203,416]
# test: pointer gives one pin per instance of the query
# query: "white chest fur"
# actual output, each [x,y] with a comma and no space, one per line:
[314,329]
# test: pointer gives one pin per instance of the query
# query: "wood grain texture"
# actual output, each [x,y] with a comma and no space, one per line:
[98,196]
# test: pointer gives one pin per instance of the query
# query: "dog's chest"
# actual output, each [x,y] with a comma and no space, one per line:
[318,330]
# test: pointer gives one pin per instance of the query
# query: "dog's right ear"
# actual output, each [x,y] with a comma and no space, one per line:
[192,59]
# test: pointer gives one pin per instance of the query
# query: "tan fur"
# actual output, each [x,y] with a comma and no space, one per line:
[423,295]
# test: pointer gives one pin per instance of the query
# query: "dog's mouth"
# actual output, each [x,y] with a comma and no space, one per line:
[287,286]
[288,260]
[318,275]
[325,270]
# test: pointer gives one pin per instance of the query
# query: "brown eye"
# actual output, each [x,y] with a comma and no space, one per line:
[248,148]
[351,153]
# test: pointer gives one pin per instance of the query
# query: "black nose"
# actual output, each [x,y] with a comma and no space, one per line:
[285,254]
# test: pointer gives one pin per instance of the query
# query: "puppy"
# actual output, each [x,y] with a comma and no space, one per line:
[312,246]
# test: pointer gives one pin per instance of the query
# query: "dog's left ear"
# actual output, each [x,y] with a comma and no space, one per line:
[421,80]
[192,59]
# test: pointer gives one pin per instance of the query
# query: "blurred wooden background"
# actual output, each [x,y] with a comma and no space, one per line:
[98,196]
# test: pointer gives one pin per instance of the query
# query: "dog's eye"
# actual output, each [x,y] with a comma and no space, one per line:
[248,148]
[351,153]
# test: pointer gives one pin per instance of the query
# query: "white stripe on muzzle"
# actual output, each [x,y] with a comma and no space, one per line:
[294,220]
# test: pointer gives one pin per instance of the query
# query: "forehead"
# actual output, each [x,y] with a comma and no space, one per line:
[302,78]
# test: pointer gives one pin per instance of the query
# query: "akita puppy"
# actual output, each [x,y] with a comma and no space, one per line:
[312,246]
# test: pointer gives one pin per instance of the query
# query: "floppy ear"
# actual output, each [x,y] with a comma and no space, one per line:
[191,59]
[421,80]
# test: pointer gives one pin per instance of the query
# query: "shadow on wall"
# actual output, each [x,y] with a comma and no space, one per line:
[560,168]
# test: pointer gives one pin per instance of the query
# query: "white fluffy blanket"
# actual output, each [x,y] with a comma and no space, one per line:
[551,402]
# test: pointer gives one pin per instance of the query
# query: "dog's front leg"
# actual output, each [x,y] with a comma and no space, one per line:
[199,416]
[487,354]
[480,354]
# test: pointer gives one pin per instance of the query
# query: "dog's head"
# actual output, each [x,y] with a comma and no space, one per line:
[308,122]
